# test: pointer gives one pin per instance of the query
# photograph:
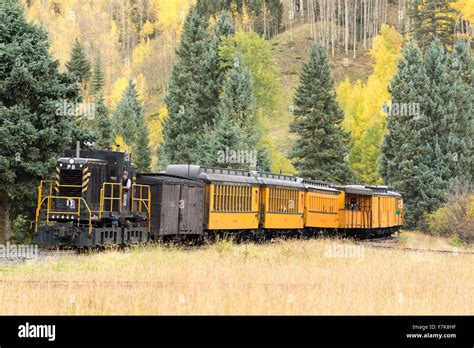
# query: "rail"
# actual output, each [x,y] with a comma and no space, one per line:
[111,198]
[49,212]
[142,201]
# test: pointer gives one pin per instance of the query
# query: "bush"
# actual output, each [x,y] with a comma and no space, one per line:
[20,230]
[456,217]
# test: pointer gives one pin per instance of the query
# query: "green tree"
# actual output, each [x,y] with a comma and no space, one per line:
[79,65]
[411,159]
[450,109]
[432,19]
[321,147]
[98,79]
[127,116]
[190,103]
[141,151]
[33,135]
[103,123]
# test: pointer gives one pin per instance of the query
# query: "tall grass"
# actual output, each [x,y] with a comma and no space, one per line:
[283,277]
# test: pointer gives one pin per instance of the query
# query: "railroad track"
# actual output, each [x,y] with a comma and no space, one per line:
[391,242]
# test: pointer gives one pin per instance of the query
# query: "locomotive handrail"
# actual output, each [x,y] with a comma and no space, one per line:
[40,189]
[141,201]
[110,198]
[49,212]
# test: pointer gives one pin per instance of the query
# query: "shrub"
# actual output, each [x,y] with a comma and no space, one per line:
[456,217]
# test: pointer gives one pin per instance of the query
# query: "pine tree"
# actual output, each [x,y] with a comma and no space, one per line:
[450,109]
[127,116]
[141,151]
[103,123]
[237,101]
[79,65]
[432,19]
[319,151]
[33,135]
[411,159]
[226,136]
[190,103]
[98,79]
[460,97]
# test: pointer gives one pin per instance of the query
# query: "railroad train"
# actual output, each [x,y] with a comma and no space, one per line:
[86,204]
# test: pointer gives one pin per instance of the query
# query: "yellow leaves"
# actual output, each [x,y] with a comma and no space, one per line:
[363,103]
[171,14]
[148,29]
[386,51]
[123,146]
[117,90]
[466,8]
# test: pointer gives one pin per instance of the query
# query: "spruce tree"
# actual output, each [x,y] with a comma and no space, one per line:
[141,156]
[79,65]
[103,123]
[98,79]
[432,19]
[237,100]
[127,117]
[460,119]
[411,159]
[190,103]
[223,139]
[319,151]
[33,134]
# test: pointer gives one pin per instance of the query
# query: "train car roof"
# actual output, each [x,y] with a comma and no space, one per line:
[278,180]
[211,174]
[383,190]
[356,189]
[158,178]
[316,185]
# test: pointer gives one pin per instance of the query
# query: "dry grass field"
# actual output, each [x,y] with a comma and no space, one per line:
[319,276]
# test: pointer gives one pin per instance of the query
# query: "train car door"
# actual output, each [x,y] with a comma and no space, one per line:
[190,209]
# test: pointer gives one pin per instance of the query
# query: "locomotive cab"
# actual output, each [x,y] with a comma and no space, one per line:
[86,204]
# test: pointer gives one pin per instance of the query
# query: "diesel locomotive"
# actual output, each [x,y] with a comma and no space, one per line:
[88,204]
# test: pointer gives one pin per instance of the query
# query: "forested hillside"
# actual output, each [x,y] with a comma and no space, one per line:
[304,84]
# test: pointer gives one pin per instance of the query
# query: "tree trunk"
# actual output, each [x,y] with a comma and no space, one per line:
[4,219]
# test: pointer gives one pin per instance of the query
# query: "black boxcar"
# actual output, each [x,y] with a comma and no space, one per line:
[177,205]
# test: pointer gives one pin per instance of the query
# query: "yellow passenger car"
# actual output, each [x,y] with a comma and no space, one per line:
[231,196]
[387,208]
[321,205]
[355,207]
[282,199]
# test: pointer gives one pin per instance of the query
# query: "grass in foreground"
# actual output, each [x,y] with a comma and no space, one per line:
[286,277]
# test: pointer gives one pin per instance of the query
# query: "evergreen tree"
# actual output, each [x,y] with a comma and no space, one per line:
[224,28]
[141,151]
[79,65]
[237,101]
[127,117]
[103,124]
[319,152]
[432,19]
[411,159]
[450,110]
[98,80]
[217,144]
[190,103]
[460,142]
[33,135]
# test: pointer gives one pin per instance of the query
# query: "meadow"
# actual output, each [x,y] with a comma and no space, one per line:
[295,277]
